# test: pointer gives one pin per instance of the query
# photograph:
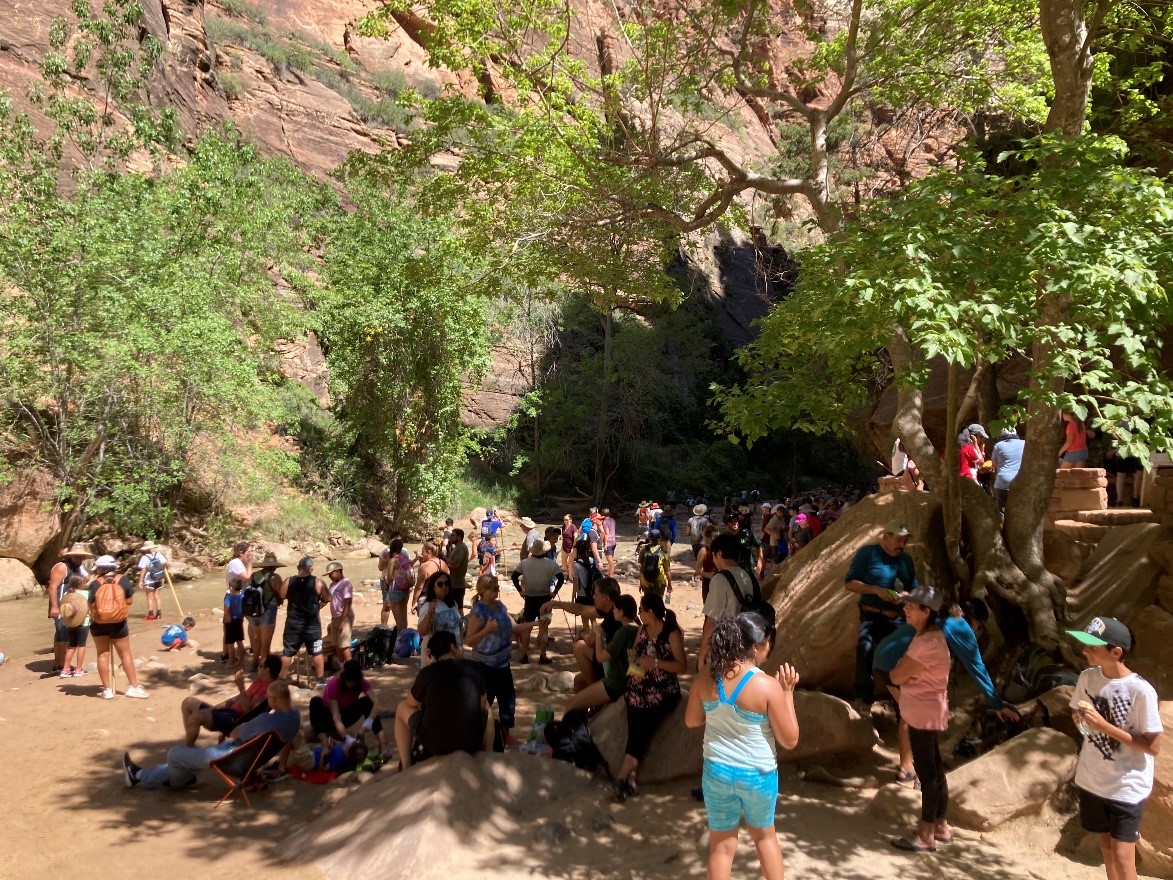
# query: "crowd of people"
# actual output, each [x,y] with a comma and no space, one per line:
[627,646]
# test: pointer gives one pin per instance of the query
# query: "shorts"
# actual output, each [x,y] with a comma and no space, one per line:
[732,791]
[1076,456]
[609,551]
[120,630]
[391,595]
[533,608]
[421,749]
[234,631]
[1130,465]
[301,632]
[223,720]
[150,588]
[1102,816]
[266,618]
[341,631]
[614,694]
[76,636]
[60,631]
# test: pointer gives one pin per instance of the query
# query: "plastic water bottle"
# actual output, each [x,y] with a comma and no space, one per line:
[667,598]
[1083,728]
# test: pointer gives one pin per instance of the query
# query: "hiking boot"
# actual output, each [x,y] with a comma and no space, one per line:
[131,771]
[136,692]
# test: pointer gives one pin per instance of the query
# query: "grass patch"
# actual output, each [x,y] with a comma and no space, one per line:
[244,9]
[282,53]
[384,111]
[231,84]
[477,487]
[302,518]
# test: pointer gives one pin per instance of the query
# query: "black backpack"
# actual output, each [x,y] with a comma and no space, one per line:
[650,567]
[752,602]
[252,600]
[378,647]
[571,741]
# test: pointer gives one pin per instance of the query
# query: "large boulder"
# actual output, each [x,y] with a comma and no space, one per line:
[1012,780]
[827,727]
[28,516]
[286,556]
[376,548]
[1156,828]
[1165,592]
[1118,577]
[16,579]
[1062,555]
[1153,655]
[492,815]
[817,618]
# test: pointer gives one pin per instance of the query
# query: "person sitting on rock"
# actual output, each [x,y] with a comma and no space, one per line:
[613,654]
[347,697]
[446,710]
[184,762]
[601,613]
[653,684]
[224,716]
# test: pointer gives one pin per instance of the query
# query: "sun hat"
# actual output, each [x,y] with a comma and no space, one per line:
[148,546]
[1103,632]
[700,510]
[926,596]
[78,549]
[538,548]
[270,561]
[1007,433]
[105,562]
[897,527]
[528,523]
[74,608]
[333,567]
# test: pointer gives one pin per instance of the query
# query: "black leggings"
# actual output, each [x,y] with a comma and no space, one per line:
[930,770]
[642,724]
[323,722]
[499,686]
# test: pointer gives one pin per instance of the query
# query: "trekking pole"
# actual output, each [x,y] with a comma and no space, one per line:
[175,595]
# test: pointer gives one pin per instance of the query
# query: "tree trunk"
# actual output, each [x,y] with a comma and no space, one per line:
[1067,34]
[600,478]
[951,508]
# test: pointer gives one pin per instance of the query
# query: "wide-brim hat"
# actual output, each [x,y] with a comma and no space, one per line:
[333,567]
[270,561]
[74,608]
[148,546]
[897,527]
[528,523]
[700,510]
[78,549]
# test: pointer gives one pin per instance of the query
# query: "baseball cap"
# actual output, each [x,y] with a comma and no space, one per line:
[105,562]
[1104,632]
[897,527]
[926,596]
[977,430]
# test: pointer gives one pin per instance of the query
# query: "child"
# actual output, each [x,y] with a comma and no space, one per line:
[340,758]
[76,635]
[1117,712]
[175,636]
[489,557]
[233,625]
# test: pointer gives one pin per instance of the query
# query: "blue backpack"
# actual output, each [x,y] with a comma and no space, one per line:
[407,643]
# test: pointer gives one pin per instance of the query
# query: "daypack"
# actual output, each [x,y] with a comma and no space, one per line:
[404,576]
[252,597]
[156,569]
[987,731]
[748,592]
[570,740]
[379,645]
[407,643]
[650,569]
[1036,671]
[110,604]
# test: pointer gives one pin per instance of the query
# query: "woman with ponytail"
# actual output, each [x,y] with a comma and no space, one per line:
[653,685]
[743,711]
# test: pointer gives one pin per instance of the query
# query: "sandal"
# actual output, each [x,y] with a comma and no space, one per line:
[911,844]
[903,775]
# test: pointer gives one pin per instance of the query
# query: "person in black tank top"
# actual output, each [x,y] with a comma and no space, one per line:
[305,594]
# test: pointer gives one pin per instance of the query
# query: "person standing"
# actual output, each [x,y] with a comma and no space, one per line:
[398,577]
[569,533]
[264,591]
[110,595]
[533,578]
[1073,453]
[430,563]
[71,565]
[341,611]
[457,558]
[696,528]
[490,640]
[748,548]
[152,571]
[1118,713]
[730,588]
[878,574]
[305,595]
[609,540]
[744,711]
[923,678]
[1007,458]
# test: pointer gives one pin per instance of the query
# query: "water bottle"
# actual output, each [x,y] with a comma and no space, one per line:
[667,598]
[1083,728]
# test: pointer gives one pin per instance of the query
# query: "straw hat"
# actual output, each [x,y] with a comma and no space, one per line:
[700,510]
[74,608]
[270,561]
[78,549]
[528,523]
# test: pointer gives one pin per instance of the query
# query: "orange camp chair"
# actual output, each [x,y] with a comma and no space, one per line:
[239,767]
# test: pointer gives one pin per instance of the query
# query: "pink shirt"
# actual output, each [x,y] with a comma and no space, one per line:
[924,698]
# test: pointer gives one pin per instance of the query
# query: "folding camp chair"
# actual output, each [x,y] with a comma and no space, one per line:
[239,767]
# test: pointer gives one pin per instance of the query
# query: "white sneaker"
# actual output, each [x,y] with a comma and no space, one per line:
[137,692]
[107,694]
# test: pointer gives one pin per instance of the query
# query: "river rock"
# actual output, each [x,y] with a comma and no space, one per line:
[827,726]
[1156,827]
[897,803]
[817,618]
[374,546]
[183,571]
[1057,702]
[1152,656]
[1011,780]
[286,556]
[28,516]
[16,580]
[560,682]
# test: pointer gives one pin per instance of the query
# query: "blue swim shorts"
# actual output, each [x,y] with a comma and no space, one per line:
[732,791]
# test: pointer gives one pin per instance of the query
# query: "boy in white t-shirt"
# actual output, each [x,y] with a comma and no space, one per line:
[1118,714]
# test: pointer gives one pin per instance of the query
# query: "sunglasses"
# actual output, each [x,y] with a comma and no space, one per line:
[443,583]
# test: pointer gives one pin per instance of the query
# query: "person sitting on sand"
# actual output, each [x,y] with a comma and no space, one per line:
[347,697]
[601,612]
[446,709]
[612,653]
[743,711]
[184,762]
[224,716]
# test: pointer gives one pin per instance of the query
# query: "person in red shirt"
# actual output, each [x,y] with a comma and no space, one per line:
[969,452]
[225,716]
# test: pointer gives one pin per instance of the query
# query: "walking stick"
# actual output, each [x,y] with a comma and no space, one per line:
[175,595]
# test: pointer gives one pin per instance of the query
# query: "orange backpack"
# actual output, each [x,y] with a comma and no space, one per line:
[109,605]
